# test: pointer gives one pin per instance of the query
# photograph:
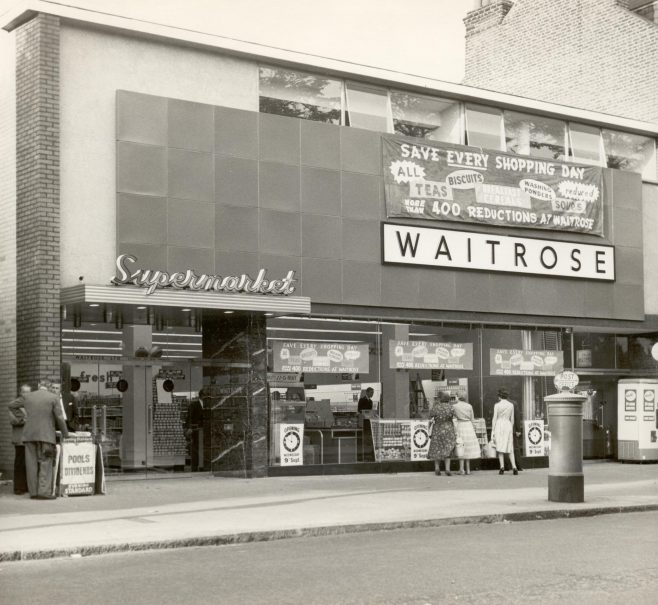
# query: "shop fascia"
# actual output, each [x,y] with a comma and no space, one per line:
[454,249]
[188,280]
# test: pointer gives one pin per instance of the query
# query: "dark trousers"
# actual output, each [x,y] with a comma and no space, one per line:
[20,477]
[196,450]
[39,458]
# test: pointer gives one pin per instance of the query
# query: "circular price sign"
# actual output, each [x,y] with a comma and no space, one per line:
[566,380]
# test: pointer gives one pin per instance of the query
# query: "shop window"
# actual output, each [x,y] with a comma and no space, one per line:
[634,352]
[367,107]
[484,127]
[300,95]
[426,117]
[535,136]
[585,144]
[631,152]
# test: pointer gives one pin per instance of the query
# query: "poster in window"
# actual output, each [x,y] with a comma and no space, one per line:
[442,181]
[320,357]
[425,355]
[515,362]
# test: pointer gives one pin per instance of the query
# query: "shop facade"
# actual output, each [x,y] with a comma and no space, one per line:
[265,240]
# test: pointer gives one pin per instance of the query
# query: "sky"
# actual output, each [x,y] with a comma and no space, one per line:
[419,37]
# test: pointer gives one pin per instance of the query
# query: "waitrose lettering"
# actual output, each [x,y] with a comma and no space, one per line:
[443,248]
[154,279]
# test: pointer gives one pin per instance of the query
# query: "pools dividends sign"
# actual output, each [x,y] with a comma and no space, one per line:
[153,279]
[465,184]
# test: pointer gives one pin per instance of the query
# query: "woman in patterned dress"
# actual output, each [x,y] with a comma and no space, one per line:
[443,438]
[502,431]
[466,432]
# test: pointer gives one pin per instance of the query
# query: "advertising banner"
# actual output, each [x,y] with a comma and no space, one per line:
[320,357]
[441,181]
[534,437]
[514,362]
[424,355]
[292,444]
[420,439]
[78,466]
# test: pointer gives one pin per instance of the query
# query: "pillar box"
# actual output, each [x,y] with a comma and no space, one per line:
[566,482]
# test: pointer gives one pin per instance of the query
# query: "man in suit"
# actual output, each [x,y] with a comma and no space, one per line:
[43,416]
[17,421]
[365,403]
[69,405]
[364,440]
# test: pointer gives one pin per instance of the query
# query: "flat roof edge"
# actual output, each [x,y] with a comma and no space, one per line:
[26,9]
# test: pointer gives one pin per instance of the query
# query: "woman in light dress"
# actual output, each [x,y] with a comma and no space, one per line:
[466,432]
[502,431]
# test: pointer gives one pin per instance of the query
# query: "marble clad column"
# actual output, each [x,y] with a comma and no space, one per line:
[236,414]
[395,383]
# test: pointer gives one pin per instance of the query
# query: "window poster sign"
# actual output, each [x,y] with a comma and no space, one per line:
[448,182]
[420,439]
[78,466]
[514,362]
[292,444]
[320,357]
[534,437]
[425,355]
[450,249]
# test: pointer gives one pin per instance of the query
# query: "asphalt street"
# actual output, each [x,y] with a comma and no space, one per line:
[605,559]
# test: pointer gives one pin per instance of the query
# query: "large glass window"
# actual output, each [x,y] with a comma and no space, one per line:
[632,152]
[300,95]
[535,135]
[484,127]
[367,107]
[585,144]
[426,117]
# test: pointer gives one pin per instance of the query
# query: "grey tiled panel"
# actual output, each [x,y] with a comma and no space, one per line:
[141,219]
[141,118]
[201,260]
[321,236]
[627,190]
[437,289]
[191,223]
[236,263]
[191,175]
[629,266]
[278,266]
[236,132]
[629,302]
[279,139]
[598,300]
[236,228]
[400,286]
[141,169]
[280,233]
[361,240]
[322,280]
[148,256]
[507,291]
[361,283]
[191,125]
[279,186]
[360,150]
[236,181]
[473,291]
[360,196]
[320,191]
[320,145]
[628,228]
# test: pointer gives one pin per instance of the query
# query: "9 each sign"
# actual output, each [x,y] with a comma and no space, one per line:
[514,362]
[424,355]
[320,357]
[291,444]
[454,183]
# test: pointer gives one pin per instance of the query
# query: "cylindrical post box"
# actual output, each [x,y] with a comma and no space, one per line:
[566,482]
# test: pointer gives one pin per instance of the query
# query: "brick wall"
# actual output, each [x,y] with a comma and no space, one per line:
[7,242]
[594,54]
[37,199]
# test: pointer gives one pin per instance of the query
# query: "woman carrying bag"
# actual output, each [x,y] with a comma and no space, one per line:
[443,438]
[502,431]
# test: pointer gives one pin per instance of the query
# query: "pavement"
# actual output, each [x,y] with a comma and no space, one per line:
[197,510]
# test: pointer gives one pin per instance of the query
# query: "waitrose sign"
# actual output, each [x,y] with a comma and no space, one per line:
[444,248]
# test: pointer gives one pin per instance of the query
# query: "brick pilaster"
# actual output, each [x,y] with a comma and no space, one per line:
[37,199]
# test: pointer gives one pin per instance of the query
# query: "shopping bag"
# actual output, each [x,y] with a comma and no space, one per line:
[459,449]
[489,450]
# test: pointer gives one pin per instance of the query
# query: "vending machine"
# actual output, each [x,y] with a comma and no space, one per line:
[637,433]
